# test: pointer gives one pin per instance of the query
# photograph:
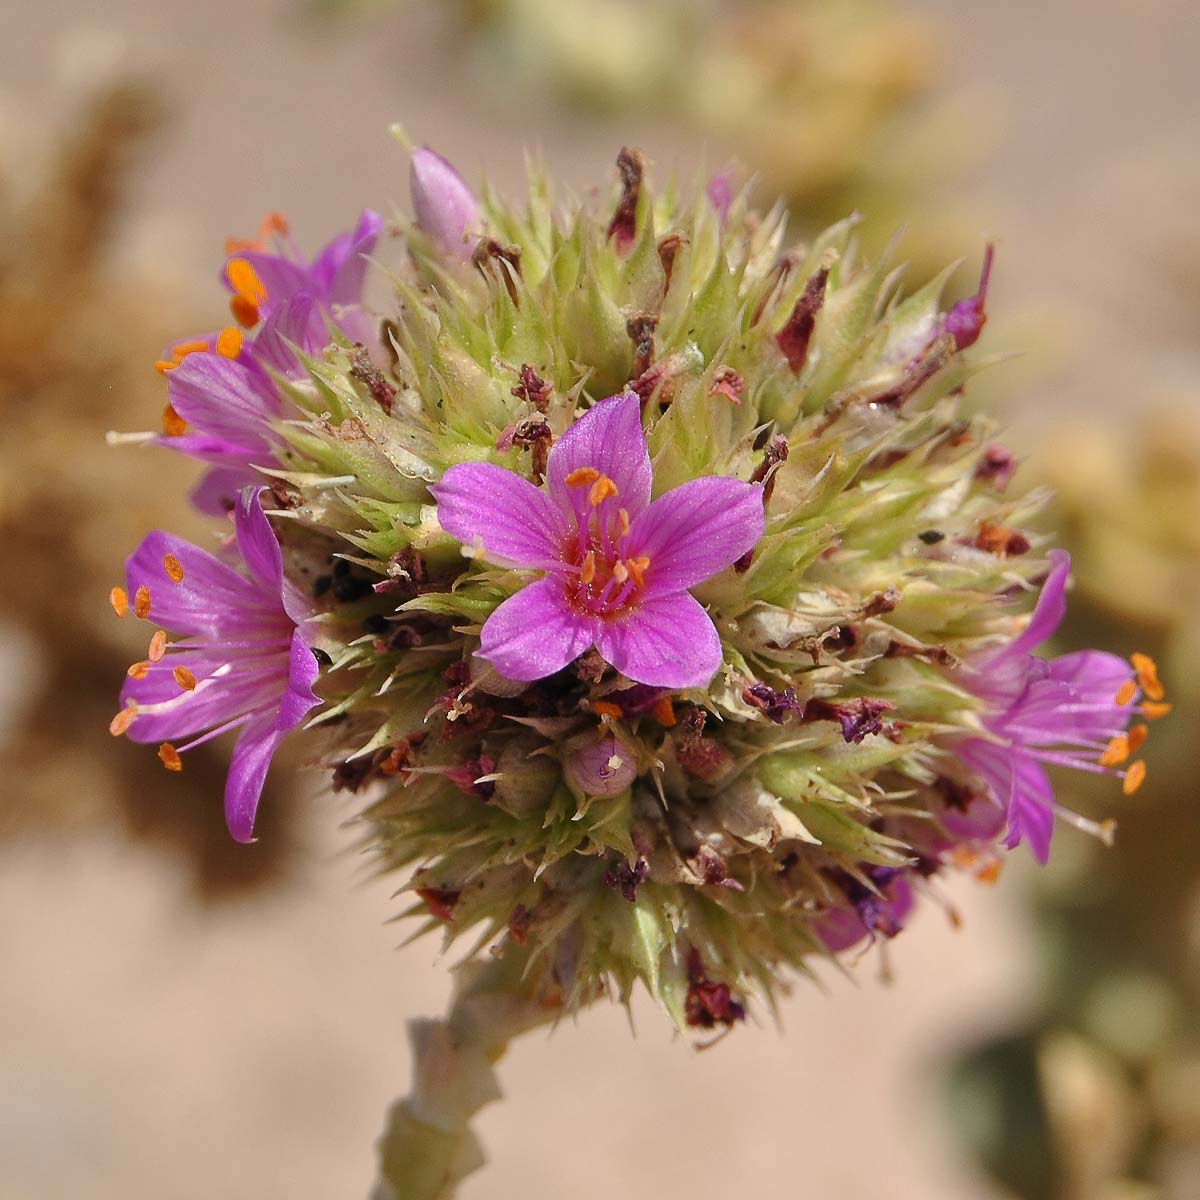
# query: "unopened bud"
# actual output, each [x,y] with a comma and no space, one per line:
[445,207]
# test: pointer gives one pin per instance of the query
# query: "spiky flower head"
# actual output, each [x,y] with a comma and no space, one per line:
[669,617]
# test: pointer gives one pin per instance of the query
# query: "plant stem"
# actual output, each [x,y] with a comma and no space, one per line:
[428,1148]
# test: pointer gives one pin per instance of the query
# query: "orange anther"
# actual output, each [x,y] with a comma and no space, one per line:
[119,601]
[1137,737]
[244,280]
[1126,693]
[963,857]
[582,476]
[244,313]
[141,602]
[587,571]
[1134,777]
[1152,711]
[990,871]
[169,757]
[1116,752]
[637,568]
[173,568]
[238,245]
[623,521]
[604,709]
[173,424]
[185,679]
[158,646]
[664,711]
[229,342]
[181,350]
[273,222]
[163,365]
[620,571]
[139,670]
[122,721]
[603,489]
[1147,673]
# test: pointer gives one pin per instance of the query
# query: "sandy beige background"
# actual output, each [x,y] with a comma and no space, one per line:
[152,1048]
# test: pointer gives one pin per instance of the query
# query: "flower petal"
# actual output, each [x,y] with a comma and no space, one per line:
[296,324]
[339,271]
[1020,786]
[218,489]
[667,641]
[257,543]
[1095,673]
[516,522]
[299,699]
[248,772]
[696,530]
[534,633]
[210,599]
[1049,611]
[608,438]
[218,698]
[280,276]
[224,399]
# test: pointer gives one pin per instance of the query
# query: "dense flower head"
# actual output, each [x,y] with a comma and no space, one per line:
[669,615]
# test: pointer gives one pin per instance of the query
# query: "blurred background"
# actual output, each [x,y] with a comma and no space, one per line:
[182,1017]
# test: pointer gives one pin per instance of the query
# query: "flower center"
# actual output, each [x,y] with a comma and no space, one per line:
[604,579]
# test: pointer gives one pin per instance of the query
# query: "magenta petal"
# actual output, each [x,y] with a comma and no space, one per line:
[1030,808]
[443,204]
[281,277]
[516,522]
[667,641]
[185,714]
[534,633]
[218,489]
[1049,611]
[841,928]
[339,271]
[1020,786]
[247,773]
[224,399]
[210,597]
[608,438]
[696,530]
[257,543]
[299,699]
[296,324]
[1096,673]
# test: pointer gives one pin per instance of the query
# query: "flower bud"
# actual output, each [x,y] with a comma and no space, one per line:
[488,680]
[600,768]
[444,206]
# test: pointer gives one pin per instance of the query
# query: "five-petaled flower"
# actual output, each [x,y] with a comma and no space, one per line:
[617,566]
[1072,711]
[222,399]
[243,661]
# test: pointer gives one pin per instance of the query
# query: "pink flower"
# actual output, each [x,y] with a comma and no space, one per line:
[1065,711]
[616,566]
[220,387]
[242,661]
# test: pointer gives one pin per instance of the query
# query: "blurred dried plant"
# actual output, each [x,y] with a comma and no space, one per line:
[1098,1098]
[78,334]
